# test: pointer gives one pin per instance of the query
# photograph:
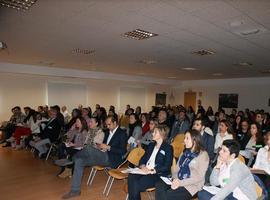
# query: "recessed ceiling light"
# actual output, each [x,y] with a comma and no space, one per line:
[22,5]
[244,64]
[139,34]
[172,77]
[217,74]
[83,51]
[189,69]
[250,32]
[204,52]
[148,62]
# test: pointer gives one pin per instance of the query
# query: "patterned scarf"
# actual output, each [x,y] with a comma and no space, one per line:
[186,158]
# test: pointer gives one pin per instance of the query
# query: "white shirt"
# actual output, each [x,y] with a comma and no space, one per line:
[111,135]
[151,162]
[262,160]
[219,140]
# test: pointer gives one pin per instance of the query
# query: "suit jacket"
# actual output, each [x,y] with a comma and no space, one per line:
[51,130]
[209,143]
[163,159]
[118,144]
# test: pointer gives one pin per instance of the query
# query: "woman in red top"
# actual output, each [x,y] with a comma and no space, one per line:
[145,123]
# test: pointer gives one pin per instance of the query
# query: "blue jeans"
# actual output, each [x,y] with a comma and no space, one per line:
[89,156]
[204,195]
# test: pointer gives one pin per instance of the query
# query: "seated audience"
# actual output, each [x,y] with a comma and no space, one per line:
[108,154]
[66,114]
[49,135]
[189,176]
[255,141]
[134,131]
[181,124]
[156,162]
[208,140]
[148,137]
[145,123]
[233,177]
[225,133]
[263,156]
[242,135]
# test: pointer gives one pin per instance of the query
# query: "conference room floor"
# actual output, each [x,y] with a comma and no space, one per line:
[27,178]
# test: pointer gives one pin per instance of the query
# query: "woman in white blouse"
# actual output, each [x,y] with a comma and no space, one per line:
[225,133]
[263,156]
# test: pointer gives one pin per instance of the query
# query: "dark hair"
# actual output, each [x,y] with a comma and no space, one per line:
[146,116]
[233,146]
[97,120]
[84,124]
[229,126]
[114,118]
[203,120]
[56,108]
[16,107]
[259,137]
[196,140]
[266,137]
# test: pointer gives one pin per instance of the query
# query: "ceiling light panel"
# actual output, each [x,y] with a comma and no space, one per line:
[139,34]
[83,51]
[204,52]
[22,5]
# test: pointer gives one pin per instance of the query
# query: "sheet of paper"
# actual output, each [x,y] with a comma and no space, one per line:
[166,180]
[131,140]
[211,189]
[134,171]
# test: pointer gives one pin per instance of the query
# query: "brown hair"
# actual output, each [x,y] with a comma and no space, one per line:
[196,138]
[267,135]
[163,130]
[229,127]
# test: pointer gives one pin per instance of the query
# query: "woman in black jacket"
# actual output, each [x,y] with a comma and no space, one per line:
[156,162]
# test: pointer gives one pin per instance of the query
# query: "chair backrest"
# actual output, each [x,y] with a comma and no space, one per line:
[174,166]
[178,145]
[241,158]
[135,156]
[260,188]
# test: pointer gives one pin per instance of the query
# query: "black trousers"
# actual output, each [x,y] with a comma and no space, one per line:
[139,183]
[164,192]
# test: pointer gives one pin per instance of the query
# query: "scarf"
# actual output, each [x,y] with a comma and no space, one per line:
[186,158]
[131,129]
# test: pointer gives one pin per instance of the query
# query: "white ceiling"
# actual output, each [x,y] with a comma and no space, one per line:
[46,34]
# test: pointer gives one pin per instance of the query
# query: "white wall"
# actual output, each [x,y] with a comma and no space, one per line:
[254,93]
[32,90]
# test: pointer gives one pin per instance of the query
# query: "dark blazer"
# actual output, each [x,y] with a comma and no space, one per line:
[118,144]
[51,130]
[163,159]
[209,143]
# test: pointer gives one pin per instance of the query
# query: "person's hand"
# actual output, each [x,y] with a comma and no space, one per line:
[103,147]
[145,170]
[254,153]
[219,163]
[71,144]
[175,184]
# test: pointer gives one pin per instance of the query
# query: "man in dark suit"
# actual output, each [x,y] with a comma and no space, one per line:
[108,154]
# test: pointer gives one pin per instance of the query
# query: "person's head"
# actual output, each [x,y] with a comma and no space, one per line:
[16,110]
[64,108]
[255,131]
[112,108]
[199,124]
[238,119]
[160,133]
[38,116]
[193,141]
[27,110]
[162,116]
[244,125]
[40,109]
[234,111]
[221,116]
[224,126]
[133,119]
[144,117]
[229,150]
[53,113]
[138,110]
[111,112]
[97,106]
[111,122]
[152,124]
[81,124]
[85,112]
[57,108]
[258,118]
[127,107]
[182,114]
[93,123]
[267,139]
[76,113]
